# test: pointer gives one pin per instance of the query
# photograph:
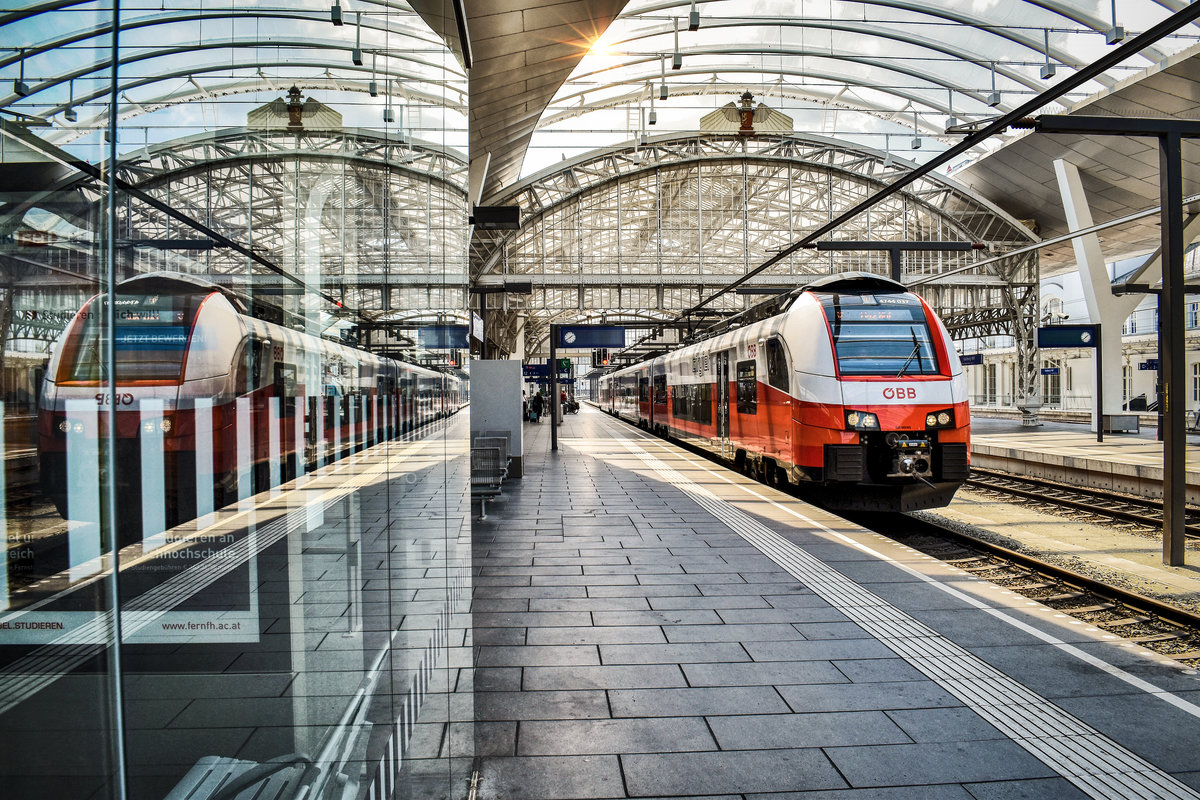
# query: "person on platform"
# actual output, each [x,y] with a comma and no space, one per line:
[535,407]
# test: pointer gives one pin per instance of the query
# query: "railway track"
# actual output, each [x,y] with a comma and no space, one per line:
[1160,627]
[1094,504]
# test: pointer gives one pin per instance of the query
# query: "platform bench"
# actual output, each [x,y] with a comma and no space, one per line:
[487,474]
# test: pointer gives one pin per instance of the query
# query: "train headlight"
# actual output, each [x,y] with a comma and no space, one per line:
[64,426]
[939,419]
[861,421]
[165,425]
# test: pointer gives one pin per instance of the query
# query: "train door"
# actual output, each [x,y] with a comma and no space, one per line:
[722,370]
[643,410]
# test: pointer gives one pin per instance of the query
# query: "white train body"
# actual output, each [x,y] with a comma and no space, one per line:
[854,386]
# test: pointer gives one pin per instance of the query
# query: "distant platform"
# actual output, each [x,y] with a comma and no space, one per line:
[1069,453]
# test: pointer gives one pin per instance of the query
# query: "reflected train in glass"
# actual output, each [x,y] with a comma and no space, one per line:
[851,386]
[212,405]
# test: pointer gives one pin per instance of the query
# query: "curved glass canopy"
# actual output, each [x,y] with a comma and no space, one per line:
[888,74]
[186,68]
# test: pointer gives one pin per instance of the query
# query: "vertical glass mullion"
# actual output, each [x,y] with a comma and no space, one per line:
[108,526]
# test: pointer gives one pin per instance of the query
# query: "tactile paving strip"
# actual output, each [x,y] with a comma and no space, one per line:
[1083,755]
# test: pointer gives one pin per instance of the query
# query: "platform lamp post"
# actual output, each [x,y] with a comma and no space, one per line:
[552,400]
[1170,134]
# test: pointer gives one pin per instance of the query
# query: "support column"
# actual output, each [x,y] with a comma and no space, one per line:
[1104,309]
[1172,349]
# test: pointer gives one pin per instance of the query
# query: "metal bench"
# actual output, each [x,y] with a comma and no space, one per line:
[507,439]
[218,778]
[500,442]
[487,473]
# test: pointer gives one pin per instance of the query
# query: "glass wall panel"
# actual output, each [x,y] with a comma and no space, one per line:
[234,483]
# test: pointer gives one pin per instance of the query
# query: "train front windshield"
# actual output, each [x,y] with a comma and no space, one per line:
[880,335]
[152,335]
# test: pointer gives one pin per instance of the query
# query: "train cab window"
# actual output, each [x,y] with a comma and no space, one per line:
[747,387]
[777,366]
[152,336]
[880,335]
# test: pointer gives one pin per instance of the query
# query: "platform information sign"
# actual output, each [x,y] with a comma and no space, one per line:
[444,337]
[970,359]
[1053,336]
[591,336]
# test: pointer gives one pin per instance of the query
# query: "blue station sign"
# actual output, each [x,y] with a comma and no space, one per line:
[1053,336]
[591,336]
[444,337]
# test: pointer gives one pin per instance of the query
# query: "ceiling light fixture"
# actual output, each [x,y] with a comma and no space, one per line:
[69,114]
[20,87]
[677,58]
[694,18]
[662,88]
[356,53]
[993,99]
[1048,69]
[1116,33]
[335,13]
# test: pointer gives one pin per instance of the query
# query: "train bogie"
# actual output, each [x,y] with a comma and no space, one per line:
[853,386]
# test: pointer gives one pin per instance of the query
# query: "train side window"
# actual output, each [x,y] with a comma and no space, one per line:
[777,367]
[660,390]
[285,388]
[747,387]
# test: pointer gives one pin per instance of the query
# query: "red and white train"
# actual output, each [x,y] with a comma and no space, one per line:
[212,404]
[851,384]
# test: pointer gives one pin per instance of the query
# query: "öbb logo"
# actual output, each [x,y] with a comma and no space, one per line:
[899,393]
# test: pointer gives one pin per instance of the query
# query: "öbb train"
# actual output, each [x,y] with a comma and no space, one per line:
[212,404]
[850,386]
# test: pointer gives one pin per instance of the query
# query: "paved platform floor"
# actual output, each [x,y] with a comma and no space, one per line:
[650,625]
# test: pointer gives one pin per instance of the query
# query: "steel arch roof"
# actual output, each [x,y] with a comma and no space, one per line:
[549,76]
[867,69]
[180,54]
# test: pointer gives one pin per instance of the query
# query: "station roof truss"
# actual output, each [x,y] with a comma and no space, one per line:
[639,234]
[914,67]
[183,53]
[370,219]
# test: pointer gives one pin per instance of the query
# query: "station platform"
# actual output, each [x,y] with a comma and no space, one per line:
[1069,453]
[650,625]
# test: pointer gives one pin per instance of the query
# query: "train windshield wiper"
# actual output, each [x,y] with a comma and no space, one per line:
[916,353]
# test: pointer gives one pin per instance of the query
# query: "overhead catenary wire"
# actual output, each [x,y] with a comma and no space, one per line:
[991,128]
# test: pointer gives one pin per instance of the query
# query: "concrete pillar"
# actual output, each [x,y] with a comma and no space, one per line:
[1103,307]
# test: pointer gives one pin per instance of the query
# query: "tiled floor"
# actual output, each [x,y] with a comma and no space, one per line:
[634,639]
